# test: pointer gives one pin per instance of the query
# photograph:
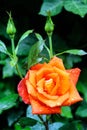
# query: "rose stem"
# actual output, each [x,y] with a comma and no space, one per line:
[14,55]
[44,122]
[17,68]
[50,44]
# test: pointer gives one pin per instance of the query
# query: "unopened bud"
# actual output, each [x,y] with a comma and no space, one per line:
[11,30]
[49,26]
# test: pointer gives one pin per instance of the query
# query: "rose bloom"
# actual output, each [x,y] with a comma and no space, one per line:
[49,86]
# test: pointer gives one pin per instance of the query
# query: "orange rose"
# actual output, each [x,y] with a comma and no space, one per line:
[49,86]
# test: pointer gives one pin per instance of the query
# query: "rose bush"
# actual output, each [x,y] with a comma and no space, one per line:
[49,86]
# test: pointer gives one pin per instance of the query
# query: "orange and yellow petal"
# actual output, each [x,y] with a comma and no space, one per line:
[74,74]
[64,81]
[40,108]
[57,62]
[73,96]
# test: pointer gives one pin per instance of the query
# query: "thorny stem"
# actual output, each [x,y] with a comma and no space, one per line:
[45,123]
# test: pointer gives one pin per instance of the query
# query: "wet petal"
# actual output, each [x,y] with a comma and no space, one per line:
[49,85]
[42,72]
[53,102]
[57,62]
[36,93]
[32,77]
[64,81]
[54,91]
[22,90]
[73,96]
[40,85]
[40,108]
[37,66]
[74,74]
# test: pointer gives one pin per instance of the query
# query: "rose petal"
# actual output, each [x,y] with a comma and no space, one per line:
[46,99]
[37,66]
[38,91]
[55,102]
[74,96]
[74,74]
[43,71]
[57,62]
[22,90]
[64,81]
[40,108]
[49,85]
[54,91]
[40,85]
[32,77]
[52,76]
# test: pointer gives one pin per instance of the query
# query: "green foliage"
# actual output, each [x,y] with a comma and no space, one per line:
[25,43]
[24,35]
[33,56]
[75,125]
[66,112]
[8,70]
[82,84]
[76,52]
[52,6]
[70,60]
[26,121]
[78,7]
[5,103]
[82,110]
[3,48]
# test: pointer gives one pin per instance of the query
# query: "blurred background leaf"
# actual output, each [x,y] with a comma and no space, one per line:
[5,103]
[54,7]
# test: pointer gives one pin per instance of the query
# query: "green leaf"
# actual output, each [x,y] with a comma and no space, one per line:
[75,52]
[82,110]
[33,57]
[8,70]
[55,126]
[82,88]
[8,102]
[70,60]
[26,121]
[39,37]
[27,128]
[66,112]
[18,127]
[38,126]
[52,6]
[26,34]
[33,116]
[84,1]
[14,115]
[3,48]
[76,6]
[71,126]
[25,45]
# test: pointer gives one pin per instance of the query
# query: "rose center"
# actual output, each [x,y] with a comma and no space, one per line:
[49,84]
